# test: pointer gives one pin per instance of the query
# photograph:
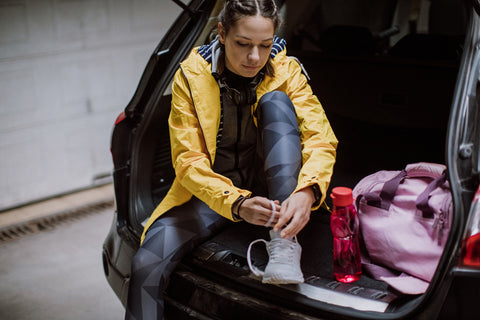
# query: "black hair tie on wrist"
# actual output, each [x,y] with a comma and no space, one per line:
[238,203]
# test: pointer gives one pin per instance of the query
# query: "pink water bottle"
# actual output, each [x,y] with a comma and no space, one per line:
[344,223]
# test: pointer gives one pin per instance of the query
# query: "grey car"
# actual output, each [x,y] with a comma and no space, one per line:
[398,80]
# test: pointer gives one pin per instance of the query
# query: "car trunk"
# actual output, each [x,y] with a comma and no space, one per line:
[386,113]
[387,110]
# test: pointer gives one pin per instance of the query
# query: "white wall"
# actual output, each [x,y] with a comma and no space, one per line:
[67,69]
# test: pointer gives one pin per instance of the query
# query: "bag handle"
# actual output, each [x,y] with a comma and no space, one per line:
[422,200]
[416,170]
[385,198]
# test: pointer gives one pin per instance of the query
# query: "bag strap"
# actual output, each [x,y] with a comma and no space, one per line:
[422,200]
[390,188]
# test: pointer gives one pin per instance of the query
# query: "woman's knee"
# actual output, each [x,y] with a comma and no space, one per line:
[276,106]
[274,95]
[277,99]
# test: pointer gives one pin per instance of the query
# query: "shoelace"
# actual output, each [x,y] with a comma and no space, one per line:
[272,216]
[255,270]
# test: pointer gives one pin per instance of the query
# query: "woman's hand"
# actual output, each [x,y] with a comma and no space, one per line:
[296,210]
[258,211]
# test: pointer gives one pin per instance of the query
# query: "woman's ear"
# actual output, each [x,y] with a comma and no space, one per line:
[221,33]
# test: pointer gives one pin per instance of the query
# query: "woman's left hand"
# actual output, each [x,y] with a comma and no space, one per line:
[295,211]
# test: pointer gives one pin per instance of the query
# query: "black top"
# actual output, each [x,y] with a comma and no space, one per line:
[237,136]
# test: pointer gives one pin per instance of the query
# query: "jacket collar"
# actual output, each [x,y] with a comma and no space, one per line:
[211,52]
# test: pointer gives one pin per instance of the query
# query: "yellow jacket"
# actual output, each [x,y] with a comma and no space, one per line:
[194,121]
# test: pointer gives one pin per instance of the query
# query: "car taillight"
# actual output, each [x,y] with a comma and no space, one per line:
[120,117]
[471,244]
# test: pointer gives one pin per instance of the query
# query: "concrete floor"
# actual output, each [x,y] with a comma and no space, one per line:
[57,273]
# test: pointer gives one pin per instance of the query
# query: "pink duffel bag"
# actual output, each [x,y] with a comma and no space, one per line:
[405,218]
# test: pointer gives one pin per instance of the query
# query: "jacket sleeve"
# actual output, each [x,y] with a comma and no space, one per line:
[190,157]
[317,137]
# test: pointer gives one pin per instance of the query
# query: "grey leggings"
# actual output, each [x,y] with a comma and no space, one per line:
[181,229]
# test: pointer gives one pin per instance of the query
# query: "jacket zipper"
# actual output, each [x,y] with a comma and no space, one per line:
[199,124]
[239,132]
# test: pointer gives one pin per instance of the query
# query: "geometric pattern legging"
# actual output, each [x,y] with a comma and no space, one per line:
[180,230]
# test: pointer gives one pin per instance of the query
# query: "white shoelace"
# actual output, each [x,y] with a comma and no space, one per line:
[255,270]
[269,222]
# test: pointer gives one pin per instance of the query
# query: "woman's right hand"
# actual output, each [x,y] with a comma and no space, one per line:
[258,211]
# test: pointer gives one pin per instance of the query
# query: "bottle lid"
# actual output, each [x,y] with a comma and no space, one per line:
[342,196]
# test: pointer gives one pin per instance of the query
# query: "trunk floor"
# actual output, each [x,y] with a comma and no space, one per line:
[315,239]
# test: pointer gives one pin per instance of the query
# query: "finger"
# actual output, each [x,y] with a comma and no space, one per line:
[298,222]
[259,215]
[274,213]
[269,207]
[290,230]
[293,222]
[284,217]
[277,206]
[270,204]
[260,205]
[258,219]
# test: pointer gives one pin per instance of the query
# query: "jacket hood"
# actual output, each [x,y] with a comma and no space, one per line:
[210,53]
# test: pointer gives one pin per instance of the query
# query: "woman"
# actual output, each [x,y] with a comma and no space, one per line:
[249,142]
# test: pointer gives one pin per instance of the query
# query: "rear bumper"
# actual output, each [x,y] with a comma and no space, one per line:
[117,255]
[117,281]
[197,297]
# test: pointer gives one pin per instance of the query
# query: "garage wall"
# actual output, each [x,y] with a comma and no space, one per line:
[67,69]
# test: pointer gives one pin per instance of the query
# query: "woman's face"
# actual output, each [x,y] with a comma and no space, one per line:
[247,45]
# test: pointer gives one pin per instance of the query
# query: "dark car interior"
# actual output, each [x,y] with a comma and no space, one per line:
[386,87]
[385,74]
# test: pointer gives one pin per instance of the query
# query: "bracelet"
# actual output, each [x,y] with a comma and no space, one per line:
[238,203]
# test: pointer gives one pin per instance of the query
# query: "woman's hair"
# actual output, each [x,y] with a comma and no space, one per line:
[235,10]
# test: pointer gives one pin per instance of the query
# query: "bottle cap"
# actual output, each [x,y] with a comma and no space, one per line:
[342,196]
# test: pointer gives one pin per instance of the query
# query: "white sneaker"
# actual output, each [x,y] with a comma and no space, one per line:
[284,260]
